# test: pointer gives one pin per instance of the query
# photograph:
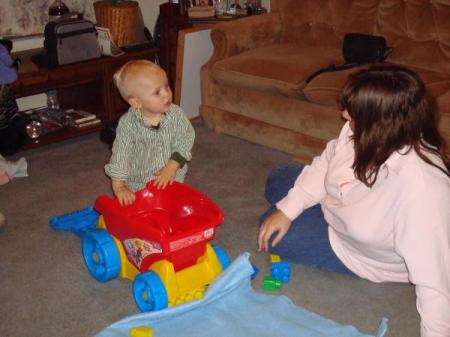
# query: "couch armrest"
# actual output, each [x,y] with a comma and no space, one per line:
[235,37]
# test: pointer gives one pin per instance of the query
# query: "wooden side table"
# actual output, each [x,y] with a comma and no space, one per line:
[86,85]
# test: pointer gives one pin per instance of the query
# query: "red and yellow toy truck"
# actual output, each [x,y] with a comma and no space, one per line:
[160,242]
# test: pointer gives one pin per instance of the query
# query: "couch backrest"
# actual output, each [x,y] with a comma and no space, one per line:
[419,30]
[324,22]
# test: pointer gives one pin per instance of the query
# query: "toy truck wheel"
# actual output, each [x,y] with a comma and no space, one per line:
[149,292]
[222,256]
[101,255]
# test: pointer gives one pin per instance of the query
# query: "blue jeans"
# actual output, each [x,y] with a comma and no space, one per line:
[306,241]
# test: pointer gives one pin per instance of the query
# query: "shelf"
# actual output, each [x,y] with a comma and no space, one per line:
[60,135]
[85,85]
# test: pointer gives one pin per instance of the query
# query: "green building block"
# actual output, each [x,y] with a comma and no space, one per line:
[271,283]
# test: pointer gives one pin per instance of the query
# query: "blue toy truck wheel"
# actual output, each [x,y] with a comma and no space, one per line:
[149,292]
[101,255]
[223,257]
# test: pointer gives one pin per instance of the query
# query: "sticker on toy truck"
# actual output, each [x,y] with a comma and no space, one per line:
[137,249]
[191,240]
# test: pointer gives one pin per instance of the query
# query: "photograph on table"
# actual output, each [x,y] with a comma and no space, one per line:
[194,3]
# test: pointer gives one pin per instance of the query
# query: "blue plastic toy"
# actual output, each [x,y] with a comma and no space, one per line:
[79,222]
[281,271]
[255,272]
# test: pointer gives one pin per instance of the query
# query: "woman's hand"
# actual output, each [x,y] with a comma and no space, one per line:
[278,223]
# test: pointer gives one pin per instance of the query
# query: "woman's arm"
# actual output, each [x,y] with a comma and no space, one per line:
[309,188]
[422,238]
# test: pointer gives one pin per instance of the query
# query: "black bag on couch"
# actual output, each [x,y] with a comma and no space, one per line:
[69,40]
[358,49]
[362,48]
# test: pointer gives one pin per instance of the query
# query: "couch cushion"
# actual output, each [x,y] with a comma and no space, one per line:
[280,69]
[324,89]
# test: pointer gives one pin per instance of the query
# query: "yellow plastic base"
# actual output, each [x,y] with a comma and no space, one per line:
[141,331]
[182,286]
[191,282]
[127,270]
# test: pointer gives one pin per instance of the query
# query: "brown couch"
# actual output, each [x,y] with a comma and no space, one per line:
[254,85]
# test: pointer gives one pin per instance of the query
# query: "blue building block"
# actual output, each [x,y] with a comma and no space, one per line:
[79,222]
[281,271]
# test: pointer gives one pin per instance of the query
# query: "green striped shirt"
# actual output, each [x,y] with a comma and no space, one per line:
[140,150]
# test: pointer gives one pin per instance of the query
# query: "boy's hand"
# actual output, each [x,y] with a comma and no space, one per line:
[278,223]
[123,193]
[166,175]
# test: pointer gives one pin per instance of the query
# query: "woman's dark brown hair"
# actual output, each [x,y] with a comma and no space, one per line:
[391,111]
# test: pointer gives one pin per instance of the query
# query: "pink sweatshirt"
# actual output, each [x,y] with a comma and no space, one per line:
[398,230]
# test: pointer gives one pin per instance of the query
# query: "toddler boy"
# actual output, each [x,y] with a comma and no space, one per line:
[154,138]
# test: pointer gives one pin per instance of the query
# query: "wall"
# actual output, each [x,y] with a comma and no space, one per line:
[22,18]
[149,9]
[197,49]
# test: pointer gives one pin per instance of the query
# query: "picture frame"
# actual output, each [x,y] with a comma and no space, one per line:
[195,3]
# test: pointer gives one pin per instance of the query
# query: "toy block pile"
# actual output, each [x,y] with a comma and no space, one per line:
[280,272]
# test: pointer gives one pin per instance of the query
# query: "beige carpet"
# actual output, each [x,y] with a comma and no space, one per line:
[46,291]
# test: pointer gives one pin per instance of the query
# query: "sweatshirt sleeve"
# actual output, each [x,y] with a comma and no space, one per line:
[118,167]
[309,188]
[184,136]
[422,238]
[8,74]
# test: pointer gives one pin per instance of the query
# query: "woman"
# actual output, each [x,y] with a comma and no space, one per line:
[384,190]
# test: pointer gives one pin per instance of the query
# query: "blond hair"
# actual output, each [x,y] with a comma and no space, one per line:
[126,76]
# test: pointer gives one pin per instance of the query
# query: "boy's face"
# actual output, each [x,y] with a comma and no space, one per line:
[153,95]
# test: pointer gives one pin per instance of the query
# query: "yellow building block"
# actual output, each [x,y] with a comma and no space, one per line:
[275,258]
[141,331]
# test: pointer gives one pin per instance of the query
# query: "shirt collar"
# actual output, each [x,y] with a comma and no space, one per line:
[397,159]
[138,114]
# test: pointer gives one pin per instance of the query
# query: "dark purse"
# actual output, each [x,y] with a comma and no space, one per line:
[358,49]
[362,48]
[70,39]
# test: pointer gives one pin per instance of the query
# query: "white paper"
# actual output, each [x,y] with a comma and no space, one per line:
[106,42]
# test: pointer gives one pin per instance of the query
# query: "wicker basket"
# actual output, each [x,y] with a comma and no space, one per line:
[121,19]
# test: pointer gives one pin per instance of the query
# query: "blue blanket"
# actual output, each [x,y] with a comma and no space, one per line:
[232,308]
